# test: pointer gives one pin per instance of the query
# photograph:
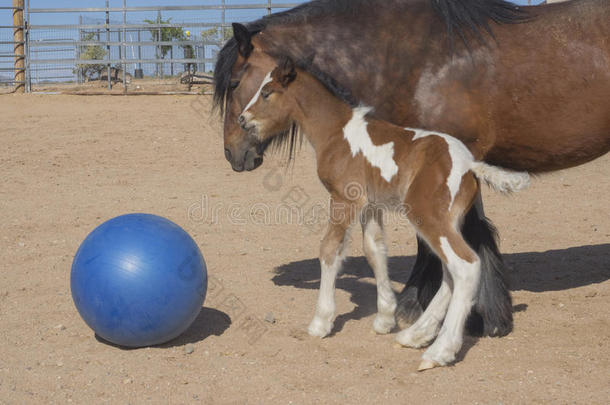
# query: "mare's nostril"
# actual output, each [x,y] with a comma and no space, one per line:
[241,120]
[228,154]
[258,161]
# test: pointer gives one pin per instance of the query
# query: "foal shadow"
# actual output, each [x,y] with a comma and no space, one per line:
[553,270]
[209,322]
[305,274]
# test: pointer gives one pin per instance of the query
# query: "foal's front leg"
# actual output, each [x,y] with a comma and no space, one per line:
[377,256]
[331,258]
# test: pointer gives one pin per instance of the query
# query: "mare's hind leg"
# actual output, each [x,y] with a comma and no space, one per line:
[331,258]
[464,267]
[376,254]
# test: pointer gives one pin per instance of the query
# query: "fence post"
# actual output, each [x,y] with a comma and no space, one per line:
[222,27]
[124,47]
[19,48]
[139,54]
[108,42]
[268,7]
[79,50]
[28,68]
[159,47]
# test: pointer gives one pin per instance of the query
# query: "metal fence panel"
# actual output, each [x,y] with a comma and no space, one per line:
[122,44]
[12,54]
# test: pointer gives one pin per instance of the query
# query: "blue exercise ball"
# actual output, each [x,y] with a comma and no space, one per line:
[138,280]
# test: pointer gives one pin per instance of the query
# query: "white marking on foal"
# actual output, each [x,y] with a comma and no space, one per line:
[266,80]
[465,277]
[461,159]
[376,253]
[359,140]
[322,323]
[425,329]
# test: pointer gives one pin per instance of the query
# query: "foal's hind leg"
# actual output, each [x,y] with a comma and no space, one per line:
[376,254]
[331,259]
[464,266]
[426,328]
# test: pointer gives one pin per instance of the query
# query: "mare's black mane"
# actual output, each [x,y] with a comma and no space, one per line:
[464,18]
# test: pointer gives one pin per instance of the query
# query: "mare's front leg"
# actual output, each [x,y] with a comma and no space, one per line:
[331,259]
[376,253]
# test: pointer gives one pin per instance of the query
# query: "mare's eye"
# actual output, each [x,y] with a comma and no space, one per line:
[233,85]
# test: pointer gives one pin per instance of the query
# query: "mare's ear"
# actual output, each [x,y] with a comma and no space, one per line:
[243,38]
[287,71]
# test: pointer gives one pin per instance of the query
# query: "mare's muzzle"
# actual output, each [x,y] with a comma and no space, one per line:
[248,157]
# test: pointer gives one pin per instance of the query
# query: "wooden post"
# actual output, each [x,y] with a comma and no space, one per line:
[19,46]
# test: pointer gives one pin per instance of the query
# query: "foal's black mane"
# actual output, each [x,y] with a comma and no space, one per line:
[464,18]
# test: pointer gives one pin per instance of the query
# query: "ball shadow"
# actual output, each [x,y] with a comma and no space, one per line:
[209,322]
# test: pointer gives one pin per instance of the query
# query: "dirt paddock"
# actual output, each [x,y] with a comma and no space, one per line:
[68,163]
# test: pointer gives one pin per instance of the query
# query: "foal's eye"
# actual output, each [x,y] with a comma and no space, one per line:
[233,85]
[265,94]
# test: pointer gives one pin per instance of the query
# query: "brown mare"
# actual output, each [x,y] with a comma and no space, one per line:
[533,97]
[430,176]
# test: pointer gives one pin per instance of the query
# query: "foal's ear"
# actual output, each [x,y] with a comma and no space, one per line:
[287,71]
[308,61]
[244,39]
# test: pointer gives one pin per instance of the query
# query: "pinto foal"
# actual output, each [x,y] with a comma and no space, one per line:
[431,175]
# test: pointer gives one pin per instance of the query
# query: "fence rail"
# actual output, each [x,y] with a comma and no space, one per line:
[264,6]
[116,42]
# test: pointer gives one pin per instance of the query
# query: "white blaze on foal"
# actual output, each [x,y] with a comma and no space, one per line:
[359,140]
[266,80]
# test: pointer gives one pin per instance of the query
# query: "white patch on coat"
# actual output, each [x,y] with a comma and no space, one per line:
[377,255]
[465,277]
[322,323]
[266,80]
[461,159]
[359,139]
[427,326]
[431,104]
[429,95]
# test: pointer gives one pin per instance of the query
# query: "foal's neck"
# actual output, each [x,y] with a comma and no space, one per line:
[320,114]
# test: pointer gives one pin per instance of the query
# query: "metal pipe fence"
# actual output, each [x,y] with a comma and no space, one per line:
[12,54]
[121,46]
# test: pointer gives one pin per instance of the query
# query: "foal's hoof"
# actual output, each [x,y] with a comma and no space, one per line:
[413,338]
[428,365]
[383,324]
[319,328]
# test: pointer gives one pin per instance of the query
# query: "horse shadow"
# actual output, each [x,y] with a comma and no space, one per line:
[553,270]
[209,322]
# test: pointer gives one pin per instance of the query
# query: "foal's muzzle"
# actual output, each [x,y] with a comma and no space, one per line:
[244,123]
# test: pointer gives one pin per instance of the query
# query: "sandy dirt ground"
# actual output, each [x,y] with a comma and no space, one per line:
[68,163]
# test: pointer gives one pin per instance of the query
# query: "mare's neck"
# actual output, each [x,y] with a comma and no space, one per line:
[319,113]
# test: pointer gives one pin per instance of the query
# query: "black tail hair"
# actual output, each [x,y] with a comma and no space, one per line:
[492,314]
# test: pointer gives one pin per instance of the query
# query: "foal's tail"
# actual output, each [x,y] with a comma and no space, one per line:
[502,180]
